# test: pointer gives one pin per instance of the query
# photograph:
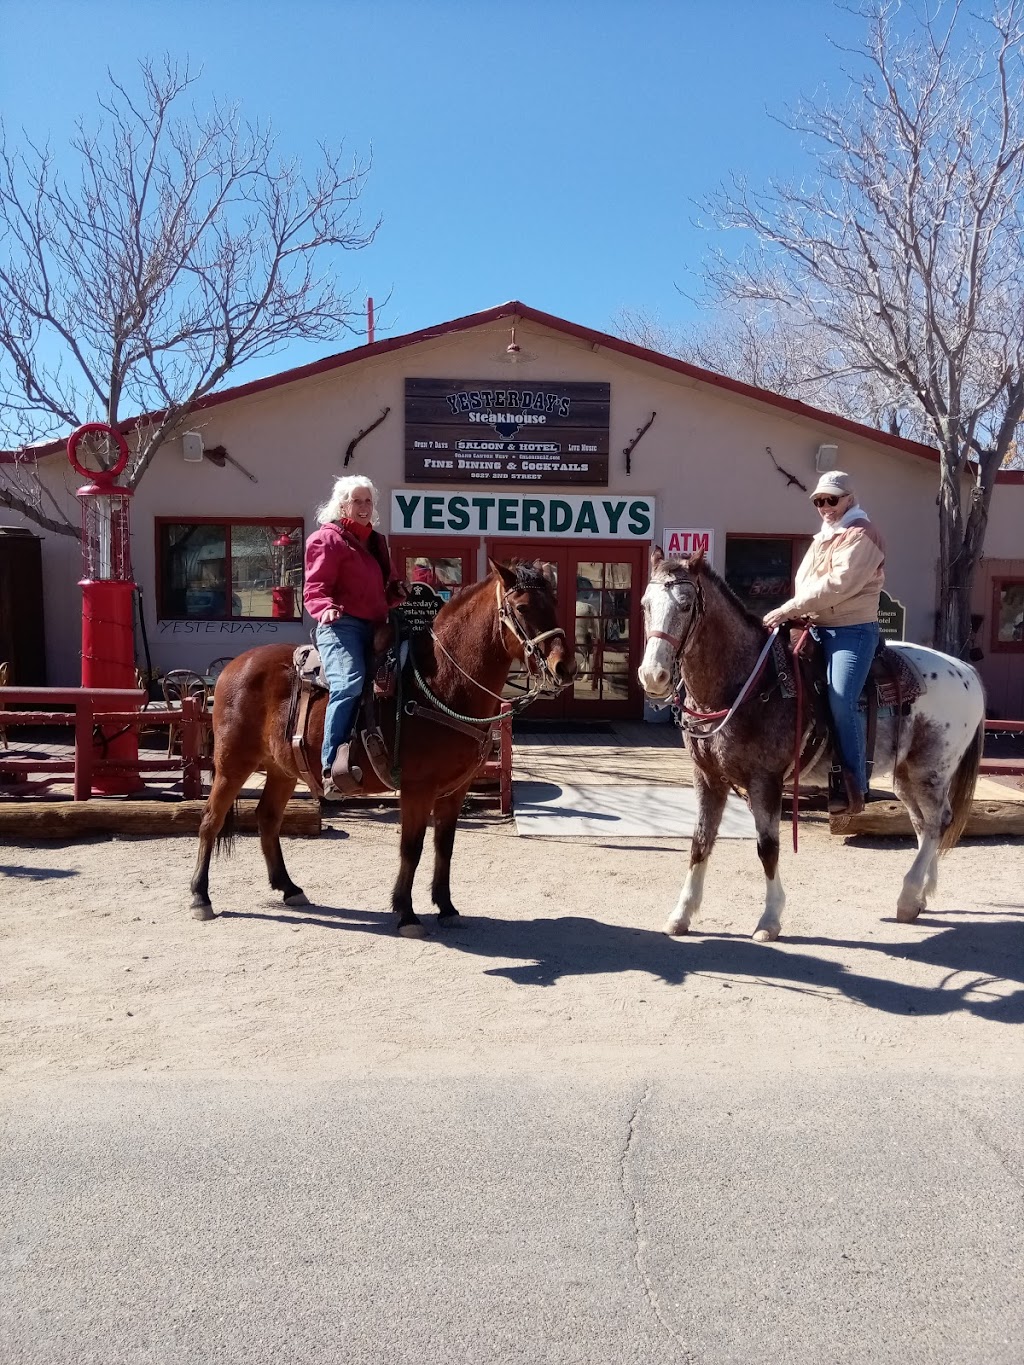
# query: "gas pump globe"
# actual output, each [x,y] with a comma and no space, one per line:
[108,643]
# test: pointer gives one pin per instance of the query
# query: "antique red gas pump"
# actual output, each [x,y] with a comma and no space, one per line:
[283,594]
[108,645]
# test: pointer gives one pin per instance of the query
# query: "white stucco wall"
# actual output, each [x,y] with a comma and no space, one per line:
[704,459]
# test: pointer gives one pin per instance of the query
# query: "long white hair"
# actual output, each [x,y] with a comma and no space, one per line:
[342,491]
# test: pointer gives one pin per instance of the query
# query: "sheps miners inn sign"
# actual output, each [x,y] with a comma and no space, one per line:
[469,513]
[527,432]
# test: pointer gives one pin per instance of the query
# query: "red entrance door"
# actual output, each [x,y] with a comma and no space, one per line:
[599,586]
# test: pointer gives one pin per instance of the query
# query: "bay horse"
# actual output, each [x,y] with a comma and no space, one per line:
[459,667]
[699,635]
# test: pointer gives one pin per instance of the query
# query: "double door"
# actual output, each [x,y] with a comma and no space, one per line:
[598,590]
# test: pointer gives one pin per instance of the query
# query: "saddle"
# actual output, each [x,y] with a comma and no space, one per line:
[309,685]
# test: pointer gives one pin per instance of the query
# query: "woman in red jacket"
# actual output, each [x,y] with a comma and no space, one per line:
[349,585]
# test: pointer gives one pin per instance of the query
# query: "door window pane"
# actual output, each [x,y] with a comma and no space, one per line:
[443,573]
[603,606]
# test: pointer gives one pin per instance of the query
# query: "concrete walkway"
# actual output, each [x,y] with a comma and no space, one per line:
[635,752]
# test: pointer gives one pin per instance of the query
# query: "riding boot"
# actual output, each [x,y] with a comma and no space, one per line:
[844,793]
[347,778]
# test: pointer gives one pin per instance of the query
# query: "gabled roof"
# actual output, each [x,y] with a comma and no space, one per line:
[515,310]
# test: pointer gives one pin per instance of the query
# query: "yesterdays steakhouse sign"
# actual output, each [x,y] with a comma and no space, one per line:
[469,513]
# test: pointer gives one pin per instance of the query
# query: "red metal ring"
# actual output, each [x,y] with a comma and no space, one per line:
[102,474]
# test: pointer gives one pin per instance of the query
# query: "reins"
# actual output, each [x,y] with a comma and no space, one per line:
[543,680]
[723,717]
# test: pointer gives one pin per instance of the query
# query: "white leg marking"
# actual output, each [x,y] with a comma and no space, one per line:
[689,900]
[919,881]
[769,926]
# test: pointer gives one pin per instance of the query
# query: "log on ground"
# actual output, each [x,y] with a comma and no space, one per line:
[72,819]
[890,819]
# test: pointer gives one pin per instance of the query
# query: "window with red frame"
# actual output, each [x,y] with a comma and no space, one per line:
[218,569]
[1007,615]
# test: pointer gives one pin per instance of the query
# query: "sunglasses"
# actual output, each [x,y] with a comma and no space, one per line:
[826,500]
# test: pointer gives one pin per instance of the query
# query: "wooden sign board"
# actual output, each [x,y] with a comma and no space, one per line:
[515,431]
[892,618]
[421,605]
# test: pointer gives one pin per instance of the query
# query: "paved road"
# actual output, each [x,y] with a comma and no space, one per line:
[629,1213]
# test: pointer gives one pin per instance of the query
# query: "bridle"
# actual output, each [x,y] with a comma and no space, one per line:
[693,608]
[695,723]
[544,681]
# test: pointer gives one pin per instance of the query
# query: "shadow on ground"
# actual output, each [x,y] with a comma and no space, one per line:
[979,956]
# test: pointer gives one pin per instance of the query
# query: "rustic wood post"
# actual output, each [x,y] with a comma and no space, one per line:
[83,747]
[191,749]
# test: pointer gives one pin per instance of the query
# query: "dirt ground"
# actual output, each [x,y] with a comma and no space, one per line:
[559,957]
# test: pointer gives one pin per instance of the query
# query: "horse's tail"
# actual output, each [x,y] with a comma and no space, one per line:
[961,790]
[228,830]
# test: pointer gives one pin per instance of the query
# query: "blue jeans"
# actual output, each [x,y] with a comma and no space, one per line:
[849,651]
[343,646]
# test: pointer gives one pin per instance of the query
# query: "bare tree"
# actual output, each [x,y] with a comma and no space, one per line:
[907,249]
[185,249]
[757,344]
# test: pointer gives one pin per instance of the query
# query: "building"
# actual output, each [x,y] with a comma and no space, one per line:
[506,433]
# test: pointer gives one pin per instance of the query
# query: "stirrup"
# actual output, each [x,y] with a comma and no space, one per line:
[347,778]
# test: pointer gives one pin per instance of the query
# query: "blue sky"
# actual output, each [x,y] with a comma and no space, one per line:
[553,152]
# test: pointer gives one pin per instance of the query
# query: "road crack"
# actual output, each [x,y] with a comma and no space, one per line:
[639,1239]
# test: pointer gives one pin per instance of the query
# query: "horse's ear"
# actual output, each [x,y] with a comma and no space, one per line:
[657,555]
[696,561]
[507,575]
[546,569]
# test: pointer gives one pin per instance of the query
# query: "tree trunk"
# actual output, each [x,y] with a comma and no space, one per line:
[957,557]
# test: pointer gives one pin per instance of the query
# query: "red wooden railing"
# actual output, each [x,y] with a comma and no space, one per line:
[114,706]
[1003,767]
[123,707]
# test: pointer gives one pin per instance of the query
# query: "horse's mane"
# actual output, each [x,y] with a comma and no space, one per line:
[703,569]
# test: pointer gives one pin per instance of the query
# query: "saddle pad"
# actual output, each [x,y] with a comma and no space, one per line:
[904,684]
[306,661]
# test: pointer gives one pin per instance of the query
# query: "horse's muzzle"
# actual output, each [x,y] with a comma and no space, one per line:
[562,663]
[656,681]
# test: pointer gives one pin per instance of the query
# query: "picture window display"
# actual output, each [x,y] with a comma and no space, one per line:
[230,570]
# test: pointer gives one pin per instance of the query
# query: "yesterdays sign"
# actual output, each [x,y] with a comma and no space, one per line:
[474,514]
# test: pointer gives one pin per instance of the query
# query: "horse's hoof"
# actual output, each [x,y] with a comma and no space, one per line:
[203,911]
[675,930]
[765,935]
[411,931]
[906,914]
[446,920]
[296,897]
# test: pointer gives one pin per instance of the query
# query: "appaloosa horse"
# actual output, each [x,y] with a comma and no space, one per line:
[456,671]
[702,639]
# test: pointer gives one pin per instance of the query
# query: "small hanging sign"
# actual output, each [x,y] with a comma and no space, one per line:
[421,605]
[892,617]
